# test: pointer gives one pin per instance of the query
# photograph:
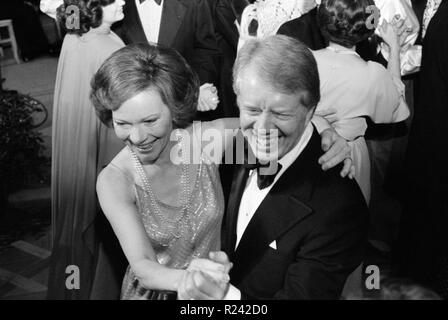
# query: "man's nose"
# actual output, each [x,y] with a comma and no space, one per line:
[264,122]
[137,135]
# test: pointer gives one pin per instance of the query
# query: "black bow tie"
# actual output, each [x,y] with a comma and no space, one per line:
[156,1]
[264,179]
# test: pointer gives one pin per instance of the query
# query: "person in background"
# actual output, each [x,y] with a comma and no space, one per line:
[187,27]
[81,146]
[421,252]
[184,25]
[28,30]
[226,13]
[380,94]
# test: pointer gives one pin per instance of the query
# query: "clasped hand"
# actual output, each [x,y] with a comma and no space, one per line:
[206,279]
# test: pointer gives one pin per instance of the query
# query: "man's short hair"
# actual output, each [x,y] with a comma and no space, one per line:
[283,62]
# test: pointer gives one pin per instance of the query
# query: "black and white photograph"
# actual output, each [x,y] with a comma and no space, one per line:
[223,150]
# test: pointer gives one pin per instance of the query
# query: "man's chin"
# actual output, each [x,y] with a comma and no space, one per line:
[266,156]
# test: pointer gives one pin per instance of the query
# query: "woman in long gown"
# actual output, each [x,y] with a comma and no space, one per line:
[81,144]
[354,88]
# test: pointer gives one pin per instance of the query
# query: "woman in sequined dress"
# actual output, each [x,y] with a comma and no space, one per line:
[167,216]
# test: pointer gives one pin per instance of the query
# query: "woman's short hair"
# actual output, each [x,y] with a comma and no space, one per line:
[344,21]
[139,67]
[283,62]
[89,14]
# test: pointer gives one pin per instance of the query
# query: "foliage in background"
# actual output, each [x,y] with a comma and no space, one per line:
[21,146]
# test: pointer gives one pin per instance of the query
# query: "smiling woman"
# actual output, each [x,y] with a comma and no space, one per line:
[166,216]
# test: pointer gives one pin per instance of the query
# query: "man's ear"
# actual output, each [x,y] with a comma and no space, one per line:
[309,115]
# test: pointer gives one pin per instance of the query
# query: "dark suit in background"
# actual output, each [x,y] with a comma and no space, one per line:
[186,26]
[224,13]
[422,252]
[319,223]
[306,29]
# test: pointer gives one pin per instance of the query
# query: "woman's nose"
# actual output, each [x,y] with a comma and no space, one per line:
[137,135]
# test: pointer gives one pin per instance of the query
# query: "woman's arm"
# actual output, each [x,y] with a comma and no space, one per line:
[118,204]
[224,129]
[389,33]
[336,148]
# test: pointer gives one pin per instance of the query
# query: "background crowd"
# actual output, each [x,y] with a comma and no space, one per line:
[383,91]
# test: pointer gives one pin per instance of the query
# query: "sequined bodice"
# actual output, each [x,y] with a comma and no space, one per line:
[179,235]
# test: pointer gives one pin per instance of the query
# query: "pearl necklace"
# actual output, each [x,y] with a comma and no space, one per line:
[182,222]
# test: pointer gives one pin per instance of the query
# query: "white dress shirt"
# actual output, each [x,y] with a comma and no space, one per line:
[150,14]
[49,7]
[252,196]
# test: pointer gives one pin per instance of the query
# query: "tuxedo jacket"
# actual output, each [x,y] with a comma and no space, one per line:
[185,26]
[318,222]
[306,29]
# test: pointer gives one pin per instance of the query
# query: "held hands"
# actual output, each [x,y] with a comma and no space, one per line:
[208,97]
[337,149]
[206,279]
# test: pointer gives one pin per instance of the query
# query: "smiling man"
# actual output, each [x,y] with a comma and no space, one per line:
[299,233]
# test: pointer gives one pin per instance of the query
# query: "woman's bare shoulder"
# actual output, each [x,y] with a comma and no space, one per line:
[118,173]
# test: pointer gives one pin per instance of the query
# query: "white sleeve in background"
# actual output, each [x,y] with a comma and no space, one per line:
[320,123]
[49,7]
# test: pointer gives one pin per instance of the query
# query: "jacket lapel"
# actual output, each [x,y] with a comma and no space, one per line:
[132,24]
[172,15]
[236,192]
[283,207]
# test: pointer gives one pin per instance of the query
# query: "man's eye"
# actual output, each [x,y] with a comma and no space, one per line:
[281,115]
[119,123]
[150,121]
[253,111]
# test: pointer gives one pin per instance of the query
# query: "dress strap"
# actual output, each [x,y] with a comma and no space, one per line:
[126,174]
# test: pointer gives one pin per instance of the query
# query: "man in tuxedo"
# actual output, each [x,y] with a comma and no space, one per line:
[184,25]
[299,233]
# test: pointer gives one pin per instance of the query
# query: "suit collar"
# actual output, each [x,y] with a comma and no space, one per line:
[284,206]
